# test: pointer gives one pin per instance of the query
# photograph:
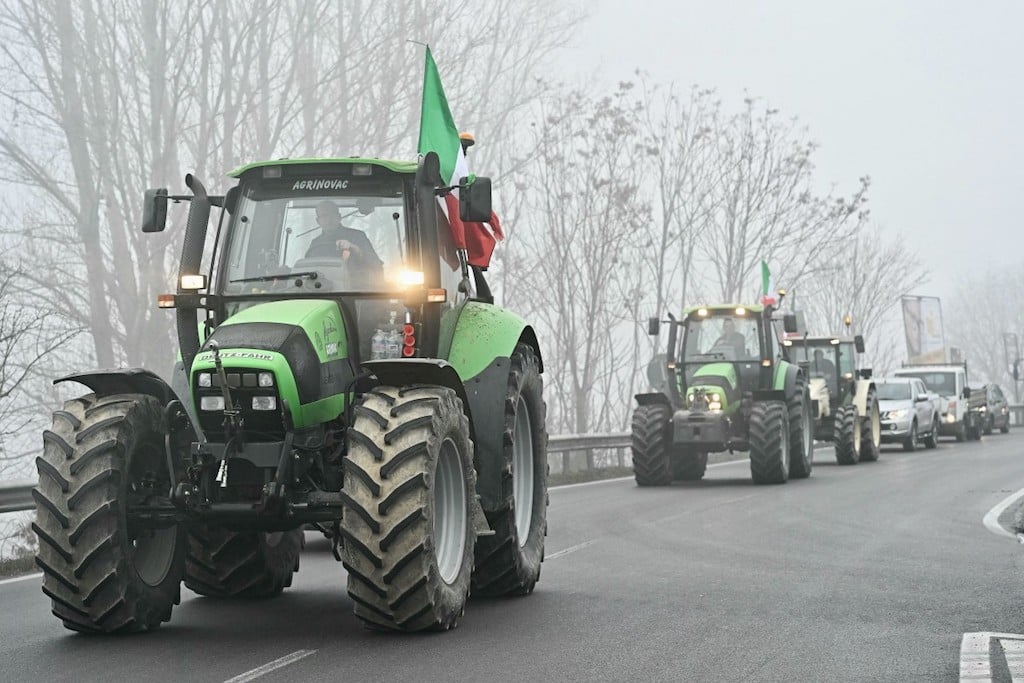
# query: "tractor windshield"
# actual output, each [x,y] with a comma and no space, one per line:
[820,357]
[341,238]
[717,338]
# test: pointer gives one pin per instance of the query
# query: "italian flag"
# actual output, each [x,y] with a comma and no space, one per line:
[438,134]
[768,288]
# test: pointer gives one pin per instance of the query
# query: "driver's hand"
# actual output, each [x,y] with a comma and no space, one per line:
[347,248]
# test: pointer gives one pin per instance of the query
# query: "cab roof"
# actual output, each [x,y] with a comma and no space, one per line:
[724,308]
[391,165]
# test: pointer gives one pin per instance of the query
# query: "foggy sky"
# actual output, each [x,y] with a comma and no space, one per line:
[925,97]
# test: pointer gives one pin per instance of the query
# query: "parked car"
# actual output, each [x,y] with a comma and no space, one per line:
[997,410]
[910,413]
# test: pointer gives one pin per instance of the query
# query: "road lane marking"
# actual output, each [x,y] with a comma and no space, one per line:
[991,519]
[562,487]
[271,666]
[976,656]
[16,579]
[570,549]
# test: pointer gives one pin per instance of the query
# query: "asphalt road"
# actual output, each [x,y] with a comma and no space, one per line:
[870,572]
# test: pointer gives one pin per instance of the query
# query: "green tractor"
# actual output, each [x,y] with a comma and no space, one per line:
[843,395]
[343,368]
[727,387]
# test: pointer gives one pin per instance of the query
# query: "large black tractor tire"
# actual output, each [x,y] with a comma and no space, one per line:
[871,430]
[801,431]
[910,443]
[932,440]
[407,529]
[102,574]
[846,435]
[508,563]
[689,466]
[241,564]
[769,443]
[651,463]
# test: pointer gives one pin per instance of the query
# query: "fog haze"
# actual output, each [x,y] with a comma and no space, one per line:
[923,97]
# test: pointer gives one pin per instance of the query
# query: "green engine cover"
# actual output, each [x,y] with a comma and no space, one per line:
[718,378]
[302,342]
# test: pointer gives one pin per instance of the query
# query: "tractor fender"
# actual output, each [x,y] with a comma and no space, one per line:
[860,397]
[785,378]
[123,381]
[653,398]
[479,344]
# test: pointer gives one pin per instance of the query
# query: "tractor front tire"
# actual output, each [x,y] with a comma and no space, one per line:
[102,574]
[508,563]
[801,431]
[689,466]
[651,465]
[407,528]
[871,430]
[769,443]
[241,564]
[846,435]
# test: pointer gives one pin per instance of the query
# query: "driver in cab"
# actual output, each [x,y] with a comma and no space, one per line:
[337,241]
[731,339]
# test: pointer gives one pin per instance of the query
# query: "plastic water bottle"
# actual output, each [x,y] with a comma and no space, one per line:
[394,344]
[378,345]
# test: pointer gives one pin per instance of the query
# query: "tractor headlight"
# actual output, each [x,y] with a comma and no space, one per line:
[715,398]
[715,405]
[266,379]
[192,282]
[264,403]
[205,380]
[689,399]
[211,403]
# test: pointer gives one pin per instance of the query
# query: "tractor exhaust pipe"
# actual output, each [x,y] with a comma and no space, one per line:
[191,259]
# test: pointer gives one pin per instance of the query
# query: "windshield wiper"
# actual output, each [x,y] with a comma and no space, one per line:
[311,274]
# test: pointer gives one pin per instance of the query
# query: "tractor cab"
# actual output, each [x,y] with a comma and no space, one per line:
[831,361]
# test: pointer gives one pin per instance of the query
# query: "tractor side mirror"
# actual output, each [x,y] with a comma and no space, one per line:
[789,323]
[475,200]
[858,343]
[154,210]
[653,326]
[865,373]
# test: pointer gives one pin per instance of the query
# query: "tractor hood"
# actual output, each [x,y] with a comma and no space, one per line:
[302,342]
[717,378]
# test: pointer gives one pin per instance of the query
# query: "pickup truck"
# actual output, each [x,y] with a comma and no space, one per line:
[961,414]
[910,413]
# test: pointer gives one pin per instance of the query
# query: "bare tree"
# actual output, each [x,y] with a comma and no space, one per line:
[28,335]
[575,272]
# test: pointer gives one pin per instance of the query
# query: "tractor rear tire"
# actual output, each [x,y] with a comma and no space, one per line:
[102,574]
[651,465]
[871,430]
[241,564]
[846,435]
[689,466]
[769,443]
[801,431]
[932,440]
[407,528]
[508,563]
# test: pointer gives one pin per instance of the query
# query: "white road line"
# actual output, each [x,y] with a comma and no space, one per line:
[16,579]
[271,666]
[991,519]
[976,655]
[609,481]
[570,549]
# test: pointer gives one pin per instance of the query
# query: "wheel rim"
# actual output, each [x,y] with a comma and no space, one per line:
[856,434]
[876,428]
[450,519]
[152,550]
[522,472]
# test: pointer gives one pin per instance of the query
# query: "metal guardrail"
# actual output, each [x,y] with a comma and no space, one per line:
[16,496]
